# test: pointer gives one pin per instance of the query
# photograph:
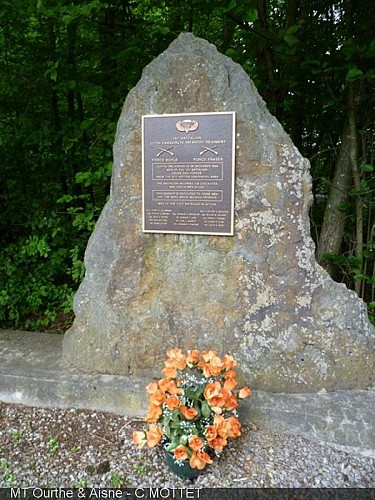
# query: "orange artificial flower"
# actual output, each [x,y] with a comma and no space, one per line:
[158,397]
[230,374]
[152,387]
[212,390]
[192,358]
[169,385]
[220,425]
[154,435]
[221,400]
[226,393]
[218,443]
[139,438]
[217,401]
[244,393]
[172,353]
[229,362]
[207,355]
[173,402]
[206,369]
[166,396]
[233,427]
[200,459]
[231,403]
[170,372]
[213,368]
[230,383]
[176,359]
[216,365]
[195,443]
[180,453]
[188,413]
[211,432]
[153,413]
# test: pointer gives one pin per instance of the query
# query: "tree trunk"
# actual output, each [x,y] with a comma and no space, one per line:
[352,97]
[55,113]
[334,219]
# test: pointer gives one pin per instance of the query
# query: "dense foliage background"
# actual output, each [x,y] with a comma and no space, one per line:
[65,70]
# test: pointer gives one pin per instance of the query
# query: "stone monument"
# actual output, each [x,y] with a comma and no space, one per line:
[258,294]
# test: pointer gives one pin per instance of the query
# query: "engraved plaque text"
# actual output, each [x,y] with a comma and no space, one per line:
[188,173]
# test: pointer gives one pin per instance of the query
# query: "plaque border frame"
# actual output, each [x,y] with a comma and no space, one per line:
[233,165]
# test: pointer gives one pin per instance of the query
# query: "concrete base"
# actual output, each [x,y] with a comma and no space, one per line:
[32,372]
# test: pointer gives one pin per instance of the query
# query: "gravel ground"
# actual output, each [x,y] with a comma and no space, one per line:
[78,448]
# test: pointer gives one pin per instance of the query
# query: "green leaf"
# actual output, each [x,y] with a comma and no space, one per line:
[194,393]
[336,259]
[233,54]
[223,10]
[291,39]
[86,124]
[176,415]
[369,253]
[343,206]
[67,20]
[71,84]
[353,74]
[292,29]
[366,167]
[184,439]
[84,178]
[360,276]
[251,15]
[175,425]
[354,261]
[166,420]
[65,199]
[206,410]
[172,446]
[370,52]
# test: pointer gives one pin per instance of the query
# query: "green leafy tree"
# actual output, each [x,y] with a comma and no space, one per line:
[65,70]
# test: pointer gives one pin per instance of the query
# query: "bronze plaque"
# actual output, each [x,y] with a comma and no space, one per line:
[188,173]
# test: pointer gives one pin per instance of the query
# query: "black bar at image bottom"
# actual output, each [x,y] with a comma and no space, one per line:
[193,493]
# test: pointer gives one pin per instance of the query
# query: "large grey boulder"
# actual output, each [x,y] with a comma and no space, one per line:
[258,295]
